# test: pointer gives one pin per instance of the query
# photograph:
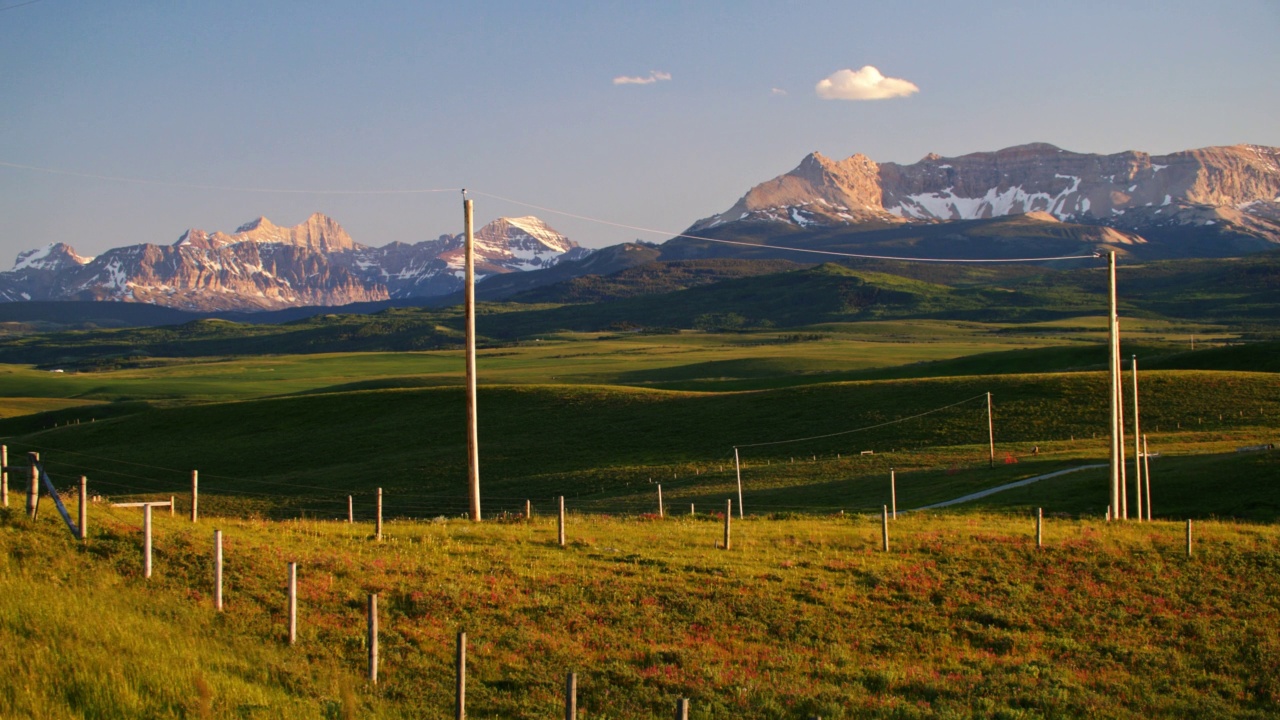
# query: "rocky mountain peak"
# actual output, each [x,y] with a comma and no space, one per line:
[52,257]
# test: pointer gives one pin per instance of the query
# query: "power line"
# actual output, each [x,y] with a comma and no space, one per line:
[565,213]
[11,7]
[869,427]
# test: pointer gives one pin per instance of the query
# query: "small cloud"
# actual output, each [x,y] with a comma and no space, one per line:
[777,91]
[653,77]
[864,84]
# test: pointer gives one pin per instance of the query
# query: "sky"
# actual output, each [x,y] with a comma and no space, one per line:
[612,121]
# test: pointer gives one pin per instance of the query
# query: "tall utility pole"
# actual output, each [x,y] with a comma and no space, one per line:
[1113,350]
[1137,438]
[991,434]
[473,433]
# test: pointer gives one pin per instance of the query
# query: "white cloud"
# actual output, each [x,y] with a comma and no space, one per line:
[653,77]
[777,91]
[864,84]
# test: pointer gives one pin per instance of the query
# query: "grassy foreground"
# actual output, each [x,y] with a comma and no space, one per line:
[965,617]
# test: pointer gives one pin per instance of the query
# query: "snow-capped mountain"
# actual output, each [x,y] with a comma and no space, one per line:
[264,266]
[1234,189]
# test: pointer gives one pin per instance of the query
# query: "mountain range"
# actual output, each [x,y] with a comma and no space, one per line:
[1032,200]
[263,266]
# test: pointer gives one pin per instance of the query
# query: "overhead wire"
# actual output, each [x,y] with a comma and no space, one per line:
[861,429]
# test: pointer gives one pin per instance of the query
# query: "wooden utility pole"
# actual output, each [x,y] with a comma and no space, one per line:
[473,433]
[1137,437]
[893,492]
[737,468]
[146,541]
[1146,473]
[991,435]
[461,697]
[1113,344]
[571,697]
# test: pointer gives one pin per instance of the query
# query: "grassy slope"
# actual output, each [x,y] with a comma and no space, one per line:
[803,617]
[601,445]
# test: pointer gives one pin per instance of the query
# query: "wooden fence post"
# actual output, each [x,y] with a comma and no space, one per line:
[561,521]
[351,510]
[571,697]
[461,713]
[293,603]
[661,513]
[4,475]
[195,494]
[1039,527]
[884,526]
[728,521]
[217,570]
[377,529]
[146,541]
[1146,473]
[682,709]
[84,507]
[528,509]
[373,638]
[691,513]
[893,492]
[1188,538]
[33,492]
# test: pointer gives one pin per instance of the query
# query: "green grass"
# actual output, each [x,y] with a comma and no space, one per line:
[965,617]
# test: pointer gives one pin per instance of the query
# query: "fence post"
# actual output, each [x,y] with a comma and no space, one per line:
[1039,527]
[1188,538]
[351,510]
[691,513]
[195,494]
[33,492]
[884,526]
[1146,473]
[217,570]
[682,709]
[571,697]
[4,475]
[528,510]
[146,541]
[462,677]
[377,529]
[728,520]
[373,638]
[561,521]
[84,507]
[661,513]
[893,492]
[293,602]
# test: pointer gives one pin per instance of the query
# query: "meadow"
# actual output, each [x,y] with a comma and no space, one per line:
[805,616]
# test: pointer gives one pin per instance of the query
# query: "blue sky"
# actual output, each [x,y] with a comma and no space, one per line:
[209,101]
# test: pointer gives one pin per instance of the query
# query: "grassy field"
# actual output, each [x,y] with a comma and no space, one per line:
[965,617]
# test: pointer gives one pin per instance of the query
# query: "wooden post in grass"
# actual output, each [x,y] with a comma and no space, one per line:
[528,509]
[195,494]
[884,525]
[469,307]
[217,570]
[461,713]
[561,521]
[893,492]
[373,638]
[1146,474]
[351,510]
[661,513]
[1137,437]
[84,507]
[728,522]
[1188,538]
[33,492]
[293,602]
[4,475]
[737,468]
[1039,527]
[146,541]
[991,434]
[377,528]
[571,697]
[691,513]
[682,709]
